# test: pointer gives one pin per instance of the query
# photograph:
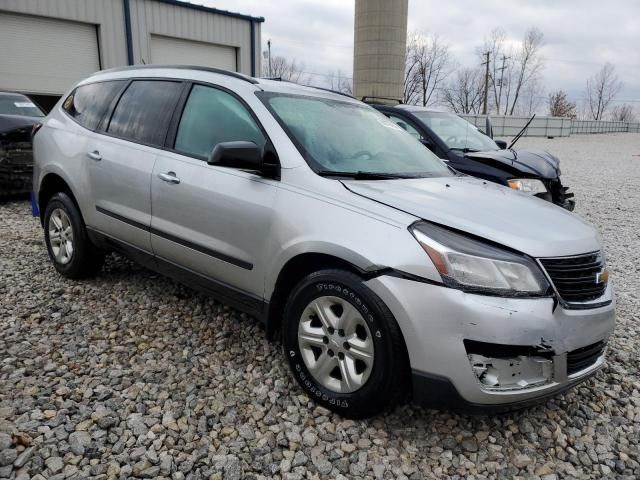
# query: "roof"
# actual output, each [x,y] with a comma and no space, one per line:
[418,108]
[204,8]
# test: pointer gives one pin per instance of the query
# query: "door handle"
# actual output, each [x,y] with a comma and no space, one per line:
[95,155]
[169,177]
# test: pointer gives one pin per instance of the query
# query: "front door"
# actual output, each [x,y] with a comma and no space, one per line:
[211,220]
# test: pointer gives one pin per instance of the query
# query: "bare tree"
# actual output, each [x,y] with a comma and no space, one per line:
[532,97]
[560,106]
[427,66]
[464,94]
[623,113]
[514,71]
[411,85]
[287,70]
[340,83]
[495,45]
[528,63]
[601,90]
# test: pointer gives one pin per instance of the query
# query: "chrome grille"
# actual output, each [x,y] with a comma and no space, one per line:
[577,279]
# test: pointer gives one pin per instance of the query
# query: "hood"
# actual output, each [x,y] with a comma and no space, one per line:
[539,163]
[16,122]
[514,219]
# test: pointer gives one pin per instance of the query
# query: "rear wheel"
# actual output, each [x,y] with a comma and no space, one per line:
[70,249]
[343,345]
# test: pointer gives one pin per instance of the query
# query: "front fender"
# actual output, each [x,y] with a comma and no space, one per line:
[341,229]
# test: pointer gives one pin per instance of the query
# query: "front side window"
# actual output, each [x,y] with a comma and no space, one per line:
[19,105]
[88,103]
[353,138]
[213,116]
[144,111]
[456,132]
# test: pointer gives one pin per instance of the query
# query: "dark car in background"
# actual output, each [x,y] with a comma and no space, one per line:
[470,151]
[18,115]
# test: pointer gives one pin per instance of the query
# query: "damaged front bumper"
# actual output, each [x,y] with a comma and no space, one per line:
[478,352]
[558,194]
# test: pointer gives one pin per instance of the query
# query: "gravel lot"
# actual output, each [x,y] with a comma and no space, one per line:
[132,375]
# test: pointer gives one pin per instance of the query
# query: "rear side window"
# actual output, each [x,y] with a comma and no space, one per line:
[144,111]
[213,116]
[88,103]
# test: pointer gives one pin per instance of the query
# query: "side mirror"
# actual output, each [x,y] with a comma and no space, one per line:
[244,155]
[502,144]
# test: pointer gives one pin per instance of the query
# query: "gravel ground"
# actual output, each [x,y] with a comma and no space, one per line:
[132,375]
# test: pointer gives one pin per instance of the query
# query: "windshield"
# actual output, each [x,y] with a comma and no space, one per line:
[336,136]
[19,105]
[455,132]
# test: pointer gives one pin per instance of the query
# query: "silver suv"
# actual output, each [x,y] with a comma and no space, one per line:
[387,275]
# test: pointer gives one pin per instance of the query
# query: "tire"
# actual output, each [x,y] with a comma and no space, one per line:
[82,259]
[338,376]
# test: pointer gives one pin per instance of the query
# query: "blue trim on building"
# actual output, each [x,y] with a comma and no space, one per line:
[203,8]
[127,30]
[253,49]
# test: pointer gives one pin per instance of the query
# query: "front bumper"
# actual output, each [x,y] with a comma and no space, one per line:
[436,321]
[558,194]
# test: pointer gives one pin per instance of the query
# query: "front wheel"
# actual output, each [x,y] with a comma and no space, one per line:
[344,346]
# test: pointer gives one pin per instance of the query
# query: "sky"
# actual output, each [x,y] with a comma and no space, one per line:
[580,35]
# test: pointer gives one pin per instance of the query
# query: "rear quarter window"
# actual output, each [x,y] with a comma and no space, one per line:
[88,103]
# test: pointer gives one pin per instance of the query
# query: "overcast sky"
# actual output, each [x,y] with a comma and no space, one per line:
[580,35]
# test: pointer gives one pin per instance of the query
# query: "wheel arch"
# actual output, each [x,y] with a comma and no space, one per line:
[299,266]
[52,183]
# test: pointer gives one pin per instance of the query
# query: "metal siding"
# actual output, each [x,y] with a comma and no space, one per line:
[107,14]
[147,16]
[150,17]
[45,66]
[171,50]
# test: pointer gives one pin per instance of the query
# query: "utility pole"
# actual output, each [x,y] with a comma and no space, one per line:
[269,49]
[504,59]
[486,83]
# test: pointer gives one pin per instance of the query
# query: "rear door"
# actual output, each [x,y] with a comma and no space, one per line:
[212,220]
[122,155]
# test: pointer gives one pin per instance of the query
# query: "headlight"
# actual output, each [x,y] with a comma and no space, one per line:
[474,265]
[527,185]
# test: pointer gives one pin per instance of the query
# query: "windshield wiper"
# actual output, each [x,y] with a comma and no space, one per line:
[465,149]
[361,175]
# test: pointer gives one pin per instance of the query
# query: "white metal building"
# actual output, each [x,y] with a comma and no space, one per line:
[47,45]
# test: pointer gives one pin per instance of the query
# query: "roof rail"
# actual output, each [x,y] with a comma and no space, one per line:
[221,71]
[370,99]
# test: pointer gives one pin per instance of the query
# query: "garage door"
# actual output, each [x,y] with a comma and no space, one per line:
[169,50]
[44,55]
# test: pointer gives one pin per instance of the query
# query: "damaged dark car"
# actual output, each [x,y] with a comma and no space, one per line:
[470,151]
[18,117]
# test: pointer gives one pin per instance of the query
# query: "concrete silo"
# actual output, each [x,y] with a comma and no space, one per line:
[379,48]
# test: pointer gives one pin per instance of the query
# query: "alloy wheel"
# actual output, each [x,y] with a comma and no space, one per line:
[61,236]
[336,344]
